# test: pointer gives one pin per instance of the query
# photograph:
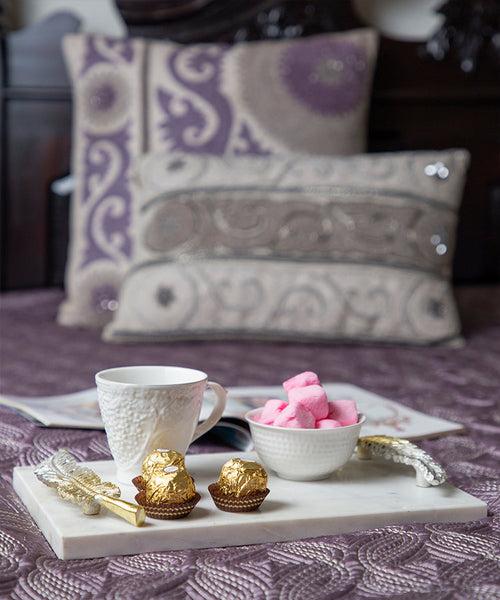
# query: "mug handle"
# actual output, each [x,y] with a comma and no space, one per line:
[216,414]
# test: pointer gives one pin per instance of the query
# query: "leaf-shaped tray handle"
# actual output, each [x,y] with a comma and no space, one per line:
[428,472]
[80,485]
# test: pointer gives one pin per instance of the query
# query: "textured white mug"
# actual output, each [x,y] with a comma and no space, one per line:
[145,408]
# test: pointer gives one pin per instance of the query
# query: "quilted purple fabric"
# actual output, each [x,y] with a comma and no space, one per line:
[413,561]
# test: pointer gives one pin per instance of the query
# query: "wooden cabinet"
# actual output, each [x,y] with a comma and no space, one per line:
[35,146]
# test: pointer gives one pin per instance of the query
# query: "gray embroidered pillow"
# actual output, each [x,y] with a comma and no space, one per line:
[304,248]
[306,95]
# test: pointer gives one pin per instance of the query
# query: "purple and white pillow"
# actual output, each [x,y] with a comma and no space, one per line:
[296,248]
[304,96]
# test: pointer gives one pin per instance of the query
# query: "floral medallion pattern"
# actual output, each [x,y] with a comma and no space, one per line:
[328,77]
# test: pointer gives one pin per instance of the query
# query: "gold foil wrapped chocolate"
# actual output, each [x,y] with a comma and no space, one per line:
[241,478]
[161,458]
[166,479]
[166,489]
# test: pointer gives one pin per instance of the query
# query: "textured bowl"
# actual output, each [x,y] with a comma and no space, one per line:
[303,454]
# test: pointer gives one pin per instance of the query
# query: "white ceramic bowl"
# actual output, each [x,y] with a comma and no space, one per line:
[303,454]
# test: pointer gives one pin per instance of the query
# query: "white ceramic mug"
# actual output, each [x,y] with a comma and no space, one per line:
[145,408]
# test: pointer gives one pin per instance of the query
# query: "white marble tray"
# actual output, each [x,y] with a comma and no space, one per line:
[365,494]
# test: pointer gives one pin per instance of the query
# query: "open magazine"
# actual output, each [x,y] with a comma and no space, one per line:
[383,416]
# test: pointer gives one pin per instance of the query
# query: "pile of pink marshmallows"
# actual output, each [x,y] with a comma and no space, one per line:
[308,406]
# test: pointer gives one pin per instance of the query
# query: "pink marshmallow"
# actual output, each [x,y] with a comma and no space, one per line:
[295,417]
[301,380]
[271,410]
[343,411]
[312,397]
[327,424]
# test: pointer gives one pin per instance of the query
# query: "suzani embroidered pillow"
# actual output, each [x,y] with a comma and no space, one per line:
[307,95]
[304,248]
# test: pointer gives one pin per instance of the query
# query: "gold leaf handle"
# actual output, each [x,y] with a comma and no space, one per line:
[428,472]
[133,513]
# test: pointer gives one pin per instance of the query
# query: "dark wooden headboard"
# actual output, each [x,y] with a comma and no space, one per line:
[418,103]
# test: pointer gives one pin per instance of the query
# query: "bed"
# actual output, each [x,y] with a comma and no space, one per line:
[39,357]
[438,561]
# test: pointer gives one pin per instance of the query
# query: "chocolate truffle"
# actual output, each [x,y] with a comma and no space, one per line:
[241,487]
[241,477]
[166,479]
[166,489]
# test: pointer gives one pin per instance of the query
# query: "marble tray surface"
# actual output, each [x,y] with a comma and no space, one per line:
[364,495]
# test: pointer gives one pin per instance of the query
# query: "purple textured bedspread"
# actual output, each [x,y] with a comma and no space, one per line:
[411,561]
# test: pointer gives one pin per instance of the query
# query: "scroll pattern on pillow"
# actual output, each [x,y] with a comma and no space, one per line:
[343,224]
[132,95]
[294,248]
[107,135]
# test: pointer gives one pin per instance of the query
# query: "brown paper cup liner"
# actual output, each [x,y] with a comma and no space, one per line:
[138,482]
[164,511]
[232,503]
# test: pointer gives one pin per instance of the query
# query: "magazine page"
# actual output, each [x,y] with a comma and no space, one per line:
[384,416]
